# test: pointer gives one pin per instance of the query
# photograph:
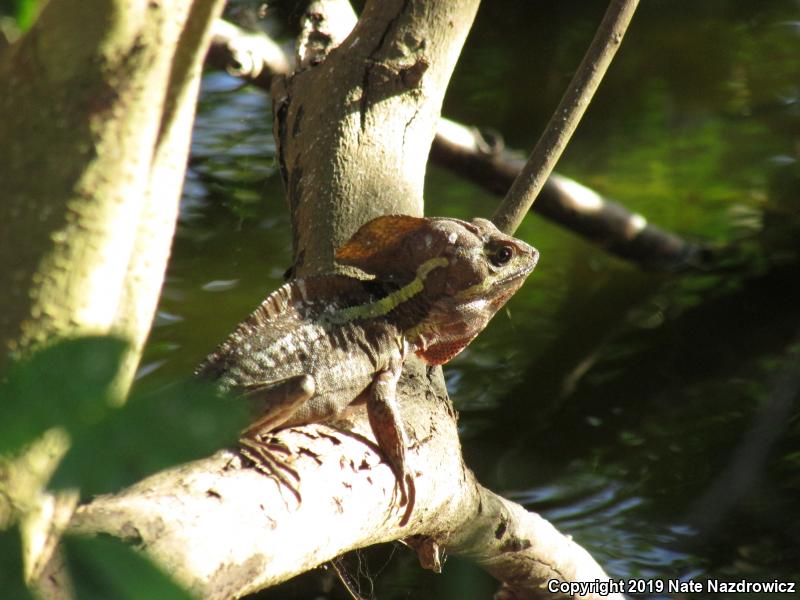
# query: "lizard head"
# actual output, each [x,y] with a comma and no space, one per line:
[451,275]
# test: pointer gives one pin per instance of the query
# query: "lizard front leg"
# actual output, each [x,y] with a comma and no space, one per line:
[384,418]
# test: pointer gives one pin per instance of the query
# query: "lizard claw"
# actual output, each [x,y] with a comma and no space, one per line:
[404,487]
[261,454]
[408,496]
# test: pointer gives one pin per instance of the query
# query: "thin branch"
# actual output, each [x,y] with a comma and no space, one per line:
[483,160]
[255,58]
[565,120]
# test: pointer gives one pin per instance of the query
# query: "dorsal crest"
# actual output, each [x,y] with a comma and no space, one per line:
[375,247]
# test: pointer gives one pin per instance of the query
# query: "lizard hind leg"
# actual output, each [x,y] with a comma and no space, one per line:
[277,401]
[384,418]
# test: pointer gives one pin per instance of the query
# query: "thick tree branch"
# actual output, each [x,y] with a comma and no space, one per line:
[565,120]
[103,97]
[384,86]
[96,125]
[225,530]
[158,211]
[467,152]
[521,549]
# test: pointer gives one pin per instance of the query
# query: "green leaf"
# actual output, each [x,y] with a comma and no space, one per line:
[24,12]
[27,10]
[106,568]
[173,425]
[11,582]
[66,384]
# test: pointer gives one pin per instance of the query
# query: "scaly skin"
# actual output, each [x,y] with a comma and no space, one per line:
[317,346]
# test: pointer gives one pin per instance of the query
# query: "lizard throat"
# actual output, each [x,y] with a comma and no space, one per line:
[385,305]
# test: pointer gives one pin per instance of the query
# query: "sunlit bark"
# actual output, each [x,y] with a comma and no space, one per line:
[103,100]
[97,107]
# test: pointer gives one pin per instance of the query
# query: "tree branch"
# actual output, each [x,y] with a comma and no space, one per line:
[385,84]
[254,57]
[103,97]
[465,151]
[325,25]
[225,530]
[565,119]
[579,209]
[96,133]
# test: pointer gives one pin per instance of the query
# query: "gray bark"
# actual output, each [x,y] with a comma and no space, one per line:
[225,530]
[353,132]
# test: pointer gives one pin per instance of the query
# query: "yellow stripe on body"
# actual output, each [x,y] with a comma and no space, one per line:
[385,305]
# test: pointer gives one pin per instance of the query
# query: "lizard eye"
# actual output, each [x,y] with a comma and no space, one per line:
[501,256]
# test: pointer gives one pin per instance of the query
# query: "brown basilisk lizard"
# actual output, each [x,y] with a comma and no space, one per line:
[319,345]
